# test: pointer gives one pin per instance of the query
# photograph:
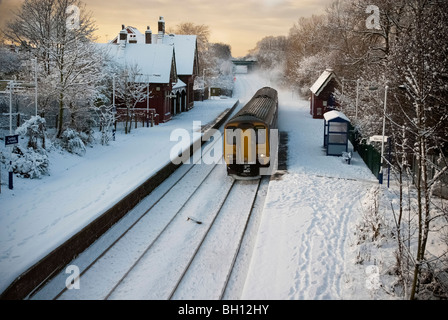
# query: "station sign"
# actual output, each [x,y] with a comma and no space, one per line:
[11,140]
[378,138]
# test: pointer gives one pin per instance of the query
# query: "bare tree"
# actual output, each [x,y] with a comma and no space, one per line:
[270,52]
[200,30]
[203,34]
[131,90]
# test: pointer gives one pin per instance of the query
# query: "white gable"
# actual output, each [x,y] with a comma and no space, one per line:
[331,115]
[323,80]
[185,50]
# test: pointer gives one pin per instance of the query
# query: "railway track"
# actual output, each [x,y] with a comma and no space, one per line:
[182,245]
[214,260]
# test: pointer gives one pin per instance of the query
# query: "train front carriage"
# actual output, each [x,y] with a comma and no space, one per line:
[247,136]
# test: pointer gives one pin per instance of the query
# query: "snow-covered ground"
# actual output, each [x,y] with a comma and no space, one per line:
[303,250]
[308,243]
[38,215]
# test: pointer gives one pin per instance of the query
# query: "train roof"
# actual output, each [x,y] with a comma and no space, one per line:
[261,107]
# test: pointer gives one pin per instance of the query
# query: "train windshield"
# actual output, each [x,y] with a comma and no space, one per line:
[261,134]
[230,136]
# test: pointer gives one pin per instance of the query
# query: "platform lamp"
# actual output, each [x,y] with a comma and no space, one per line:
[380,177]
[380,174]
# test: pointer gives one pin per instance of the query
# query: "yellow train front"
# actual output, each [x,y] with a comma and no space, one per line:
[248,144]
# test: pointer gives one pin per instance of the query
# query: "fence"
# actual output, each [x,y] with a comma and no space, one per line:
[367,152]
[372,158]
[23,109]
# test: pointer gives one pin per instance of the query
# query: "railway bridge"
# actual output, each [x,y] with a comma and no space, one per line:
[244,66]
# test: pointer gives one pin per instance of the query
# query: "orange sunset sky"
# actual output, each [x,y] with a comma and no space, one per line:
[239,23]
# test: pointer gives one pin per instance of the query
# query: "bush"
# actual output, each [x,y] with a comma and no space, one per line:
[73,141]
[30,163]
[34,129]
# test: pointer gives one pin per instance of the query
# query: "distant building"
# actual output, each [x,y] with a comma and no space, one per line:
[322,94]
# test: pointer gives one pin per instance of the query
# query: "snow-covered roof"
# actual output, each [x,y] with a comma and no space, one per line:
[322,81]
[136,35]
[332,115]
[179,85]
[184,46]
[154,61]
[185,49]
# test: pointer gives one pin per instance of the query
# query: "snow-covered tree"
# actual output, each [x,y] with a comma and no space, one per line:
[418,67]
[406,52]
[270,52]
[35,130]
[31,161]
[306,39]
[59,33]
[10,62]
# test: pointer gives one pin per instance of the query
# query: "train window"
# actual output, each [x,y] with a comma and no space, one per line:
[261,134]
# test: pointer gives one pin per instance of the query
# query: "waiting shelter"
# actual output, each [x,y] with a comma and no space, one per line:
[336,133]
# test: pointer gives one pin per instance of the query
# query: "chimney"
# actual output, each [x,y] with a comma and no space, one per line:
[148,36]
[161,30]
[123,37]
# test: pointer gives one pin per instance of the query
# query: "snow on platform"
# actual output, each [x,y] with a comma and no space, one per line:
[39,215]
[302,248]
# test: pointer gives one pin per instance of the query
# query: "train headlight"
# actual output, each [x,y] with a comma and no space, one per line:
[230,158]
[263,159]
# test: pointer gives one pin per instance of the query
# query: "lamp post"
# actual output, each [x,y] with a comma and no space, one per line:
[383,136]
[35,83]
[10,175]
[203,79]
[357,99]
[147,105]
[380,175]
[114,109]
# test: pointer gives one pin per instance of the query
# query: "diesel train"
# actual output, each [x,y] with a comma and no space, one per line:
[251,136]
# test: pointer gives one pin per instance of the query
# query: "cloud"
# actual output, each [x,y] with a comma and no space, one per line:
[271,3]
